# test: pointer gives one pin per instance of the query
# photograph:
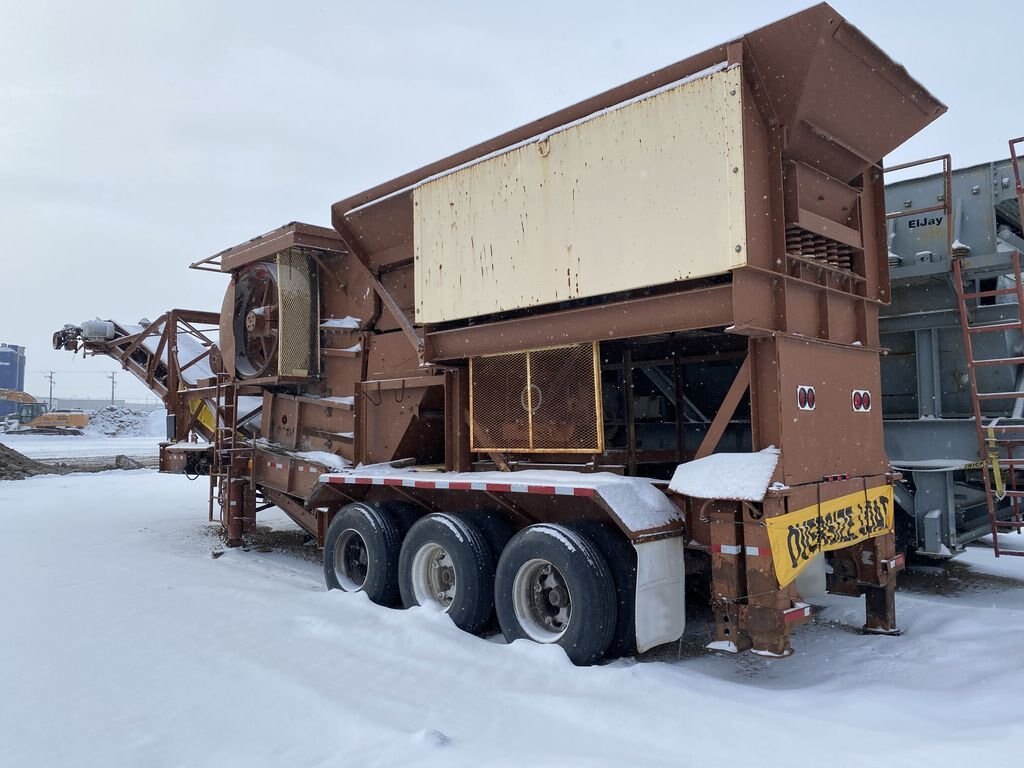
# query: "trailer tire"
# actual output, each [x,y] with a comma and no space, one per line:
[621,559]
[446,559]
[494,527]
[361,552]
[554,586]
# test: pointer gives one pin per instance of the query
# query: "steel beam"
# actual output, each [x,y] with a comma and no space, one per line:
[361,258]
[650,315]
[739,387]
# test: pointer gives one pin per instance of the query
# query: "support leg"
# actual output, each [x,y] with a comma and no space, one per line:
[879,565]
[235,511]
[727,580]
[880,609]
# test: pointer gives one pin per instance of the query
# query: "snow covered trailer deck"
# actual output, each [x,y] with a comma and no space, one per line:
[552,375]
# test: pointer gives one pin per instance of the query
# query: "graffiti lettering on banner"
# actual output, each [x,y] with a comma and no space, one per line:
[797,537]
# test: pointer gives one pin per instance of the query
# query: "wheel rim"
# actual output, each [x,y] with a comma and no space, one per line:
[542,601]
[433,576]
[351,561]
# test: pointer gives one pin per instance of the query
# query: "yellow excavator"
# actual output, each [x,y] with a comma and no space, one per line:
[33,417]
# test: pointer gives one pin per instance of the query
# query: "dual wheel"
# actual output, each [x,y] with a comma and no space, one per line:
[567,585]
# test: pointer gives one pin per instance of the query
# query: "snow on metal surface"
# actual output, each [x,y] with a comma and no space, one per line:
[638,503]
[740,476]
[189,348]
[344,400]
[348,322]
[332,460]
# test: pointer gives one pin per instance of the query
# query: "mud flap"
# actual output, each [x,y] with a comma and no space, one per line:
[660,592]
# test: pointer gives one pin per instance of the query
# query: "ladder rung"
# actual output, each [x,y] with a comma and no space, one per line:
[1014,494]
[999,395]
[1000,361]
[989,294]
[1010,523]
[1014,326]
[1011,462]
[1001,427]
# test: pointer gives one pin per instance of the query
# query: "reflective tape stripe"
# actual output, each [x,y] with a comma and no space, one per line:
[442,484]
[796,613]
[727,549]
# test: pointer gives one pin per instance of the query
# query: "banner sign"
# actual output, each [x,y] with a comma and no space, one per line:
[798,536]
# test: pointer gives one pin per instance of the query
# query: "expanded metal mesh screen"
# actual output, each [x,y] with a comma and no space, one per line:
[298,337]
[546,401]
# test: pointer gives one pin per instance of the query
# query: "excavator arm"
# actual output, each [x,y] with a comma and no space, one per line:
[16,396]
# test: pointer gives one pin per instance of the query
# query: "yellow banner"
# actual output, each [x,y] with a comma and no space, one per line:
[798,536]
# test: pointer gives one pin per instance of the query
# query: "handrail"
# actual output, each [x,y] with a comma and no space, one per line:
[946,204]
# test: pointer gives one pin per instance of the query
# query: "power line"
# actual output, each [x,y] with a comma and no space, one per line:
[49,375]
[84,373]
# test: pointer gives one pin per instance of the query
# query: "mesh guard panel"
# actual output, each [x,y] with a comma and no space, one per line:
[544,401]
[297,332]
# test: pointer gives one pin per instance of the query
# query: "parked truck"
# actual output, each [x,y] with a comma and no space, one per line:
[549,377]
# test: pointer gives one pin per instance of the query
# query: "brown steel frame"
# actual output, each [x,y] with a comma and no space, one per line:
[168,384]
[778,298]
[777,301]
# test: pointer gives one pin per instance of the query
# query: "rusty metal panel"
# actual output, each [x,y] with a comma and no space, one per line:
[544,401]
[830,437]
[646,194]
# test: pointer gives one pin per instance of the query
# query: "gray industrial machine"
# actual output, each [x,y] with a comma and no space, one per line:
[971,214]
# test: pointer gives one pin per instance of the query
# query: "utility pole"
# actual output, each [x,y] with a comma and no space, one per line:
[113,383]
[49,375]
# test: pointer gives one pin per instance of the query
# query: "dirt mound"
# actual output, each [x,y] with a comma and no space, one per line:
[15,466]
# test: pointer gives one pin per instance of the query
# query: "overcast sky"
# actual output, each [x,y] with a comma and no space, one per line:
[137,137]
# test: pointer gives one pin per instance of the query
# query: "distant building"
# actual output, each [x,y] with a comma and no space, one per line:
[12,374]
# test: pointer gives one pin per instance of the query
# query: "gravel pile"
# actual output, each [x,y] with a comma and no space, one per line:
[116,421]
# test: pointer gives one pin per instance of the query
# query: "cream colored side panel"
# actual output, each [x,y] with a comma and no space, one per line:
[643,195]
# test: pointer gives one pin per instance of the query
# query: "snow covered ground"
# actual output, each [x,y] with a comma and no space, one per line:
[53,447]
[124,642]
